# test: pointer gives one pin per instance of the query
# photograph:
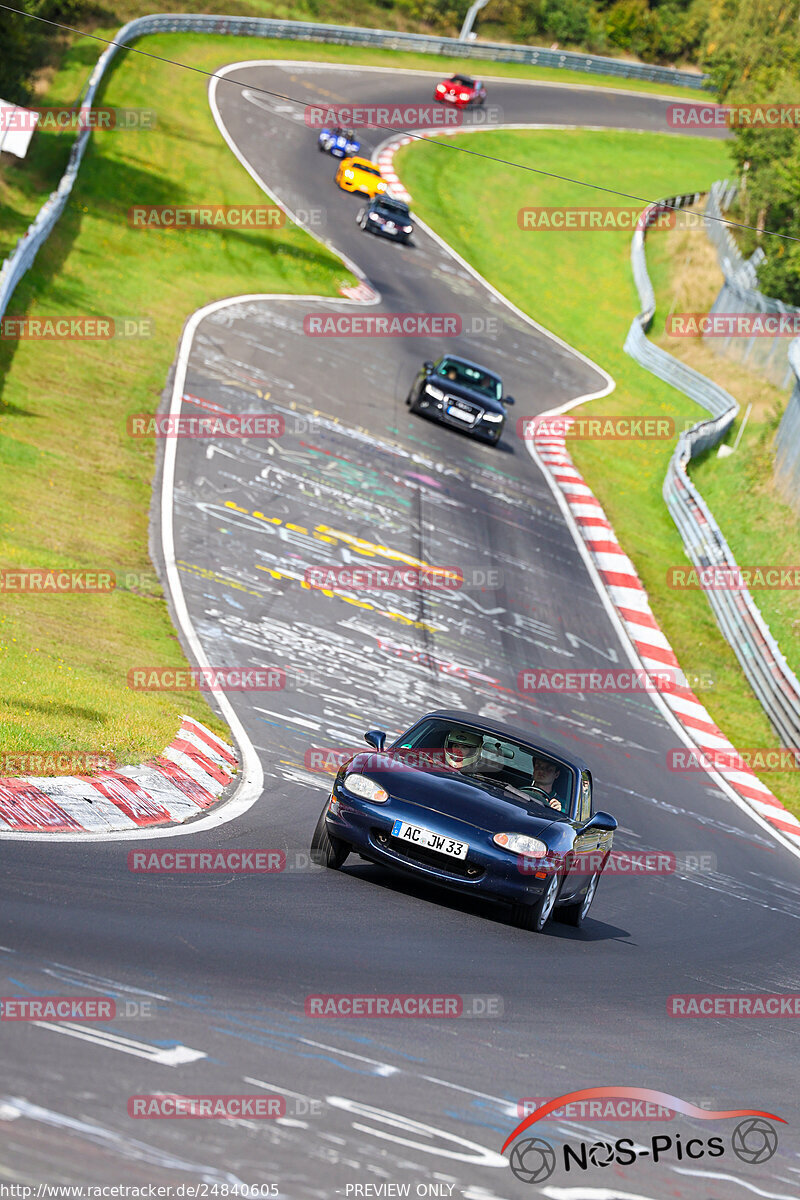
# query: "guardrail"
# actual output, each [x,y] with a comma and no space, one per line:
[21,258]
[787,439]
[740,294]
[740,621]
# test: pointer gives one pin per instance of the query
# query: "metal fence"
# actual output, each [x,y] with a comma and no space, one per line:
[740,621]
[787,439]
[740,294]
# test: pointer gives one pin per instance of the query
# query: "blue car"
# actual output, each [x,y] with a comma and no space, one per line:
[475,806]
[341,143]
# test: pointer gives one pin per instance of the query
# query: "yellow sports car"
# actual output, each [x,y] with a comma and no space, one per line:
[360,175]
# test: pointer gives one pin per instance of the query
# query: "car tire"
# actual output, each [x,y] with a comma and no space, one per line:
[327,851]
[575,914]
[534,917]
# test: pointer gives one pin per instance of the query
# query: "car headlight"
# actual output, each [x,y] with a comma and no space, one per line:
[437,393]
[464,96]
[520,843]
[408,229]
[366,788]
[492,416]
[348,174]
[374,217]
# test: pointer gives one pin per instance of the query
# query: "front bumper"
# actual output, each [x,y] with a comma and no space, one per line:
[487,870]
[486,431]
[394,235]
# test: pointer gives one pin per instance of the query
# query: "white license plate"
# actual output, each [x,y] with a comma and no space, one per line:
[390,224]
[460,415]
[429,840]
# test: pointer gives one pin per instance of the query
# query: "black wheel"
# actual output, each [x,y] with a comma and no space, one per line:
[535,916]
[320,147]
[574,914]
[327,851]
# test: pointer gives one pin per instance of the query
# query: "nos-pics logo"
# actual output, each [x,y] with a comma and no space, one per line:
[532,1159]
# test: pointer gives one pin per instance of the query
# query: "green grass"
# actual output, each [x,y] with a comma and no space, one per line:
[758,524]
[579,285]
[75,490]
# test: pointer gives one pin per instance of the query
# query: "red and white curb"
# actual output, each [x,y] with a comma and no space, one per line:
[190,776]
[362,293]
[387,151]
[630,601]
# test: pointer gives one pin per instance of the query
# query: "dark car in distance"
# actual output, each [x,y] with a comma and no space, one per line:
[387,217]
[462,394]
[476,806]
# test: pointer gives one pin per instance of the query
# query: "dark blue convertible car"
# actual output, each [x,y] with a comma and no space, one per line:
[476,806]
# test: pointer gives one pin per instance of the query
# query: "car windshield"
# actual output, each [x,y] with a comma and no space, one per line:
[472,377]
[392,213]
[367,168]
[463,81]
[393,208]
[501,760]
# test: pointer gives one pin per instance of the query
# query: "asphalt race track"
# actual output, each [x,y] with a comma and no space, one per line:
[225,963]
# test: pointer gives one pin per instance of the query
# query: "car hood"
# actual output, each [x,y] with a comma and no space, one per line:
[477,802]
[467,393]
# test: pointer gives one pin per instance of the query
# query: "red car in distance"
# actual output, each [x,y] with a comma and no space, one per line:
[461,91]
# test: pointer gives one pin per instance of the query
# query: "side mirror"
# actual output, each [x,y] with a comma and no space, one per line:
[428,366]
[377,739]
[602,821]
[509,400]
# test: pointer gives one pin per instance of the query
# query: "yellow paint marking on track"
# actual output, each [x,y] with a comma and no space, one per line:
[362,546]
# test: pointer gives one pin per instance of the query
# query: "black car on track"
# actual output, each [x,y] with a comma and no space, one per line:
[388,218]
[476,806]
[462,394]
